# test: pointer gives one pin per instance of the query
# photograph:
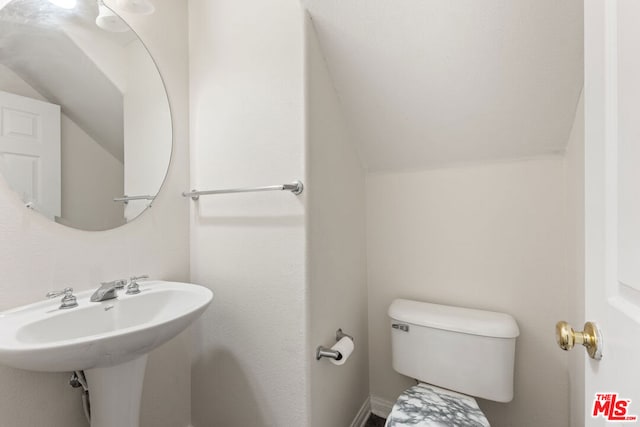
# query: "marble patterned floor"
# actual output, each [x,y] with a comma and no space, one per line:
[375,421]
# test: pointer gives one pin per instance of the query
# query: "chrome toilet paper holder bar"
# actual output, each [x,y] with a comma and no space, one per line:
[322,351]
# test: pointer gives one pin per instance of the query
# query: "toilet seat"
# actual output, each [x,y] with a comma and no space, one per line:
[424,405]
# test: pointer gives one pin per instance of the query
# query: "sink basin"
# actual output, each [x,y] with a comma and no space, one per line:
[41,337]
[109,340]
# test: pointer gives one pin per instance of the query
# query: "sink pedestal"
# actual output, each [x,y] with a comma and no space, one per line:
[115,393]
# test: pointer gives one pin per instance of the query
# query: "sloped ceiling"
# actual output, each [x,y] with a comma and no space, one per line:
[35,47]
[428,83]
[55,67]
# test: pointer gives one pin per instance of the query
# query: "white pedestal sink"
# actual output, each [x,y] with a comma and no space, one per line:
[108,340]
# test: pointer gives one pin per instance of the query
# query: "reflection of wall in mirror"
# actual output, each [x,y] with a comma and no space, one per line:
[147,147]
[108,56]
[90,175]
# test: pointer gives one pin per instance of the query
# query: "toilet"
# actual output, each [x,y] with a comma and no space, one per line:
[455,354]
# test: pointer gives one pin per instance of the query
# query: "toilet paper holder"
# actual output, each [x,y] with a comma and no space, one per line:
[322,351]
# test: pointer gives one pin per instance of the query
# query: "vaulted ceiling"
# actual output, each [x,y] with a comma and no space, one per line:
[428,83]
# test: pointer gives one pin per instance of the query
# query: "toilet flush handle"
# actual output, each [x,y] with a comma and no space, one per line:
[400,326]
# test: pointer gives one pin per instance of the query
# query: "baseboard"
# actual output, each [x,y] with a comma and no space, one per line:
[376,405]
[380,407]
[363,414]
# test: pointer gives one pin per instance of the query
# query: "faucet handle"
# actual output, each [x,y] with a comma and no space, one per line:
[118,284]
[68,300]
[133,287]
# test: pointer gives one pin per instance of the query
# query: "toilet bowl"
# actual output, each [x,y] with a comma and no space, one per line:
[455,354]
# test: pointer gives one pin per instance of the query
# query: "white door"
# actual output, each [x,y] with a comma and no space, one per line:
[30,151]
[612,208]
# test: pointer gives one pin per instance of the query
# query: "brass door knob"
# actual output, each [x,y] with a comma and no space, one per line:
[590,338]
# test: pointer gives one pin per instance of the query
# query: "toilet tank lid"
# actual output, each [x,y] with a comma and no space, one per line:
[457,319]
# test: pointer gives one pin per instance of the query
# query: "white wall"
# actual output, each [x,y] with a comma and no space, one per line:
[247,127]
[337,258]
[37,256]
[574,176]
[489,237]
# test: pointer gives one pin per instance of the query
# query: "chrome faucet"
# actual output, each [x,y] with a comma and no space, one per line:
[107,290]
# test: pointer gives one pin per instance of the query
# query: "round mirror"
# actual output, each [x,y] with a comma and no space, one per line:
[85,124]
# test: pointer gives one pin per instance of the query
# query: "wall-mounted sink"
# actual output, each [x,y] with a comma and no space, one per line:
[109,340]
[41,337]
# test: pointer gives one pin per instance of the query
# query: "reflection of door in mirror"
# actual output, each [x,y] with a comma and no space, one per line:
[30,151]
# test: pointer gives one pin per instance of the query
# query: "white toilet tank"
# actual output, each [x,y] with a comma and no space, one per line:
[460,349]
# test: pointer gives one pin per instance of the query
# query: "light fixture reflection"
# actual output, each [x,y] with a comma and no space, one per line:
[65,4]
[109,21]
[140,7]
